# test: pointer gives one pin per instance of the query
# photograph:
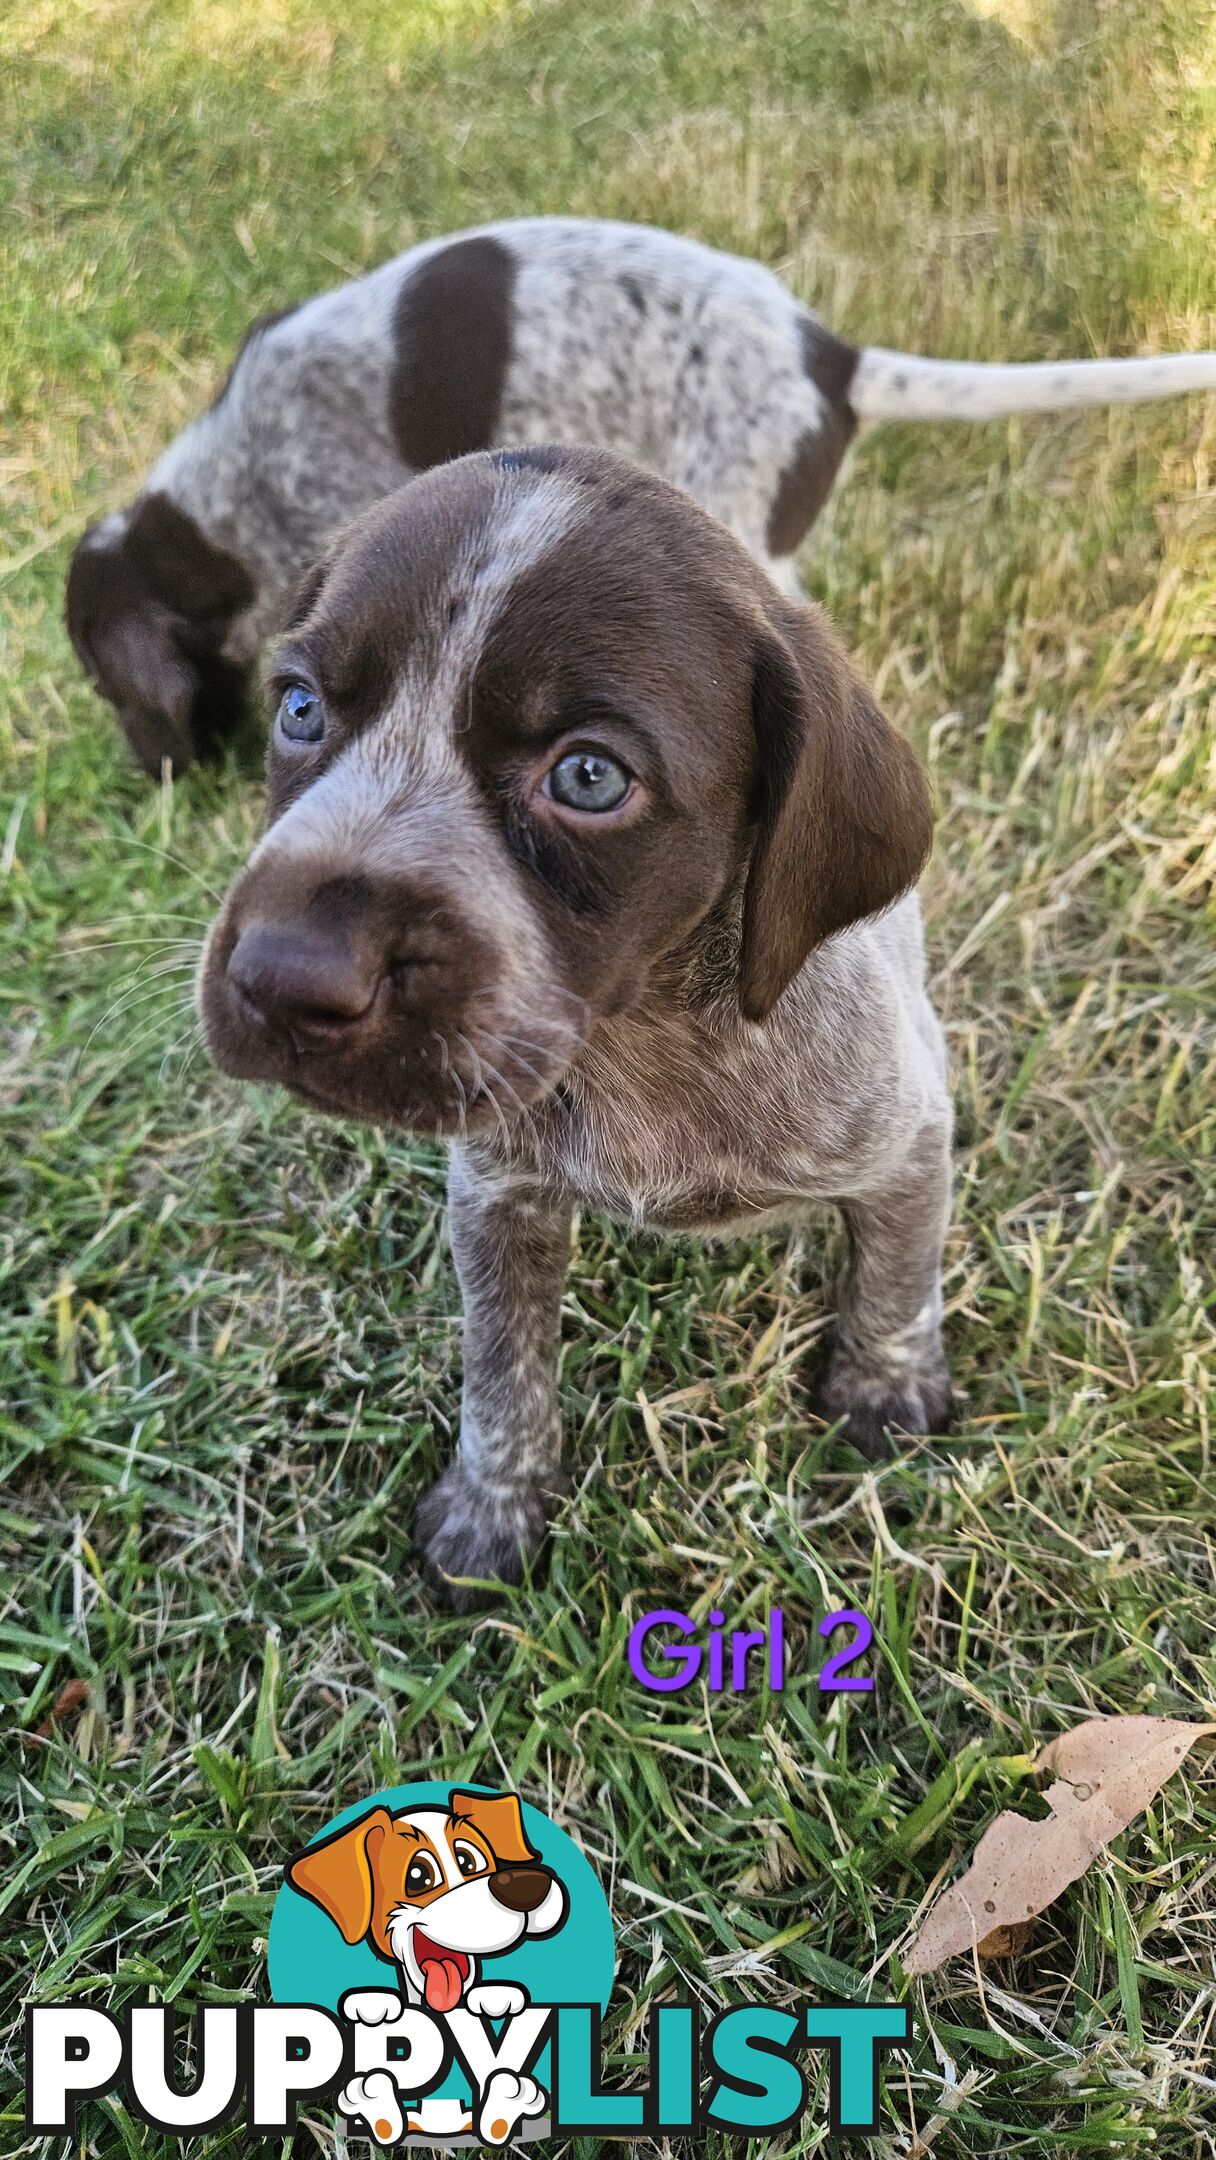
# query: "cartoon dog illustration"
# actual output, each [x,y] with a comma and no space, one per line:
[434,1890]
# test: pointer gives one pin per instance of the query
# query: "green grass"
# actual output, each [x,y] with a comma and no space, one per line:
[228,1332]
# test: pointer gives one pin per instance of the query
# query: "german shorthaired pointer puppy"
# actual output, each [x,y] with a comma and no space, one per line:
[700,365]
[588,849]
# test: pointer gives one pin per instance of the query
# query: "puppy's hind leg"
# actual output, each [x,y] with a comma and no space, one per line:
[511,1242]
[888,1371]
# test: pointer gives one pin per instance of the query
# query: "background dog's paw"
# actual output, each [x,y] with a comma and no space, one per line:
[373,2099]
[880,1407]
[468,1529]
[371,2006]
[496,1999]
[508,2099]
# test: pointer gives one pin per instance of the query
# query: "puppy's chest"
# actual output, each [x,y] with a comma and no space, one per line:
[681,1163]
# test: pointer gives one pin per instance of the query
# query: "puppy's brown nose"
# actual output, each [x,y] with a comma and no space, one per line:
[520,1889]
[306,983]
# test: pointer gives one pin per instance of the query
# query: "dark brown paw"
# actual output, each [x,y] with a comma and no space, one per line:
[487,1533]
[880,1409]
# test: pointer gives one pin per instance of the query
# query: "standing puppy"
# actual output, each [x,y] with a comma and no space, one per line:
[567,330]
[587,849]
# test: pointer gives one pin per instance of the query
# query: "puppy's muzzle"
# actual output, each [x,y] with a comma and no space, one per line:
[520,1889]
[382,997]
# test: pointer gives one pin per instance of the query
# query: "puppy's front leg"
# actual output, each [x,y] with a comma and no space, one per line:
[888,1369]
[511,1244]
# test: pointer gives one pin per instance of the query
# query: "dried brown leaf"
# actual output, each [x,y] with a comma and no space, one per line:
[1107,1771]
[1006,1941]
[72,1696]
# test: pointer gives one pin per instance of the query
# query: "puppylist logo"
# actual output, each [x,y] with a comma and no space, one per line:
[441,1957]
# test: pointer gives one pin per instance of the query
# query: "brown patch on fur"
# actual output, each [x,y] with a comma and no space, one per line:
[830,361]
[809,478]
[452,333]
[181,567]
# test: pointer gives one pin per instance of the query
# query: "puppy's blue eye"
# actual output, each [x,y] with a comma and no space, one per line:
[301,718]
[588,780]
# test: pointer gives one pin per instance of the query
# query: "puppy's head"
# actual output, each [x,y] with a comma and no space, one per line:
[435,1889]
[150,608]
[540,723]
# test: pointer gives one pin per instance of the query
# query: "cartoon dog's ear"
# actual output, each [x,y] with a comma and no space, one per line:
[843,813]
[500,1820]
[339,1875]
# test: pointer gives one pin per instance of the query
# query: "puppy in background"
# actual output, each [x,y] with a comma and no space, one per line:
[589,850]
[569,330]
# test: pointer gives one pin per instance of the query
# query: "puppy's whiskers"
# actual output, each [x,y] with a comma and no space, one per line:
[164,855]
[136,994]
[515,1048]
[519,1107]
[447,1071]
[483,1092]
[152,1028]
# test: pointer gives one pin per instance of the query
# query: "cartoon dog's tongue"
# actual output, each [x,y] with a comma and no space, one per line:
[441,1979]
[444,1972]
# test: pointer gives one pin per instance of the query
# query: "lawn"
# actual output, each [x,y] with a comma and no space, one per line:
[229,1332]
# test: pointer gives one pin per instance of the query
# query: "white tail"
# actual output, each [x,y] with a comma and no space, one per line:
[904,386]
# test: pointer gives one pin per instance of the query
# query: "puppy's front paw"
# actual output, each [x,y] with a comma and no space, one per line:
[466,1528]
[880,1405]
[509,2098]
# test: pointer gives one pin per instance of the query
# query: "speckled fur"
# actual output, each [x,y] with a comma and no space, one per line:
[623,336]
[698,363]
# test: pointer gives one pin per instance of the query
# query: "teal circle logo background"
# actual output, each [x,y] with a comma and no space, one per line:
[310,1963]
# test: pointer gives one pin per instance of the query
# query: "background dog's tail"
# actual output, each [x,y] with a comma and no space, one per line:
[904,386]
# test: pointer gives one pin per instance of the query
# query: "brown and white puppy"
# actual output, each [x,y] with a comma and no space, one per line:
[587,849]
[701,365]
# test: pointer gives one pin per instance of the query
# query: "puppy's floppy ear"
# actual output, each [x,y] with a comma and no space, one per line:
[500,1820]
[153,687]
[176,561]
[843,814]
[122,635]
[339,1874]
